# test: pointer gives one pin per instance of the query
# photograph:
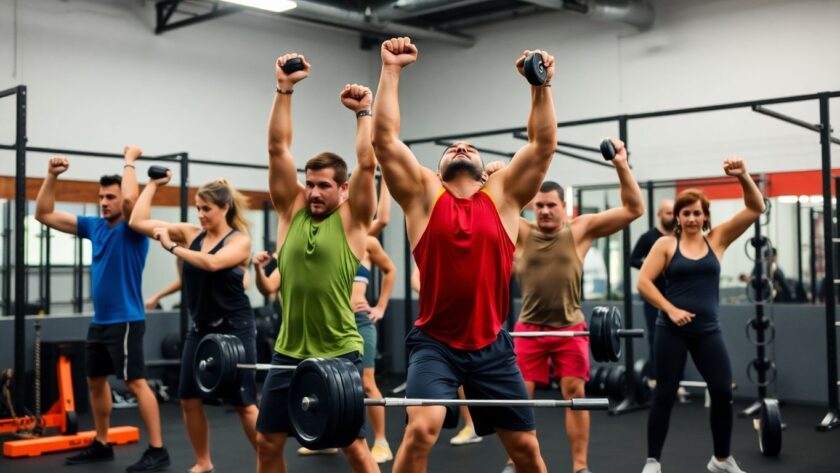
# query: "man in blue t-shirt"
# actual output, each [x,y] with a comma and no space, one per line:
[115,337]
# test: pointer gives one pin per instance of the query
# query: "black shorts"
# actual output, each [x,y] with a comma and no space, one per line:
[115,349]
[435,370]
[274,406]
[240,326]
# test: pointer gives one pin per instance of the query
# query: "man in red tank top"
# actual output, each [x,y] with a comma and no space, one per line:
[462,227]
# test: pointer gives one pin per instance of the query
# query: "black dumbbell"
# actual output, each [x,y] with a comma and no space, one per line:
[158,172]
[293,65]
[535,70]
[607,149]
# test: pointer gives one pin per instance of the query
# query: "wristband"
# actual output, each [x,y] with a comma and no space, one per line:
[363,113]
[129,166]
[171,249]
[284,92]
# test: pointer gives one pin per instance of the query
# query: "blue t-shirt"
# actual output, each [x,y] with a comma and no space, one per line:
[119,255]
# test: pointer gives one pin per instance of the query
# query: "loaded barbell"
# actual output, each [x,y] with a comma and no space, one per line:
[326,398]
[218,357]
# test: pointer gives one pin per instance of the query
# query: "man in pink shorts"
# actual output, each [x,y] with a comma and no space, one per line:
[549,264]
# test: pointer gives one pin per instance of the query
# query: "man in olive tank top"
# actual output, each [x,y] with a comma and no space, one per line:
[321,239]
[549,264]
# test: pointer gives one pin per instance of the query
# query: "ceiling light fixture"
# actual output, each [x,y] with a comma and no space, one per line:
[275,6]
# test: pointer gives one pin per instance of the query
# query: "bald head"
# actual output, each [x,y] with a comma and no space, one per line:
[666,215]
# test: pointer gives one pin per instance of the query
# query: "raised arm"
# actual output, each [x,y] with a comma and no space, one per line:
[267,285]
[235,251]
[400,169]
[523,176]
[283,185]
[632,205]
[45,202]
[383,210]
[653,266]
[362,189]
[141,221]
[129,187]
[724,234]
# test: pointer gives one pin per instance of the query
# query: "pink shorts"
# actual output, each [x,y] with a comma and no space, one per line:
[570,355]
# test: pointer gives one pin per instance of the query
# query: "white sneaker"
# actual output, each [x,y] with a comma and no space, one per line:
[652,466]
[465,436]
[726,466]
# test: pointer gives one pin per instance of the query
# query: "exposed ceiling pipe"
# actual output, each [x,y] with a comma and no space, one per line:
[638,13]
[368,22]
[402,9]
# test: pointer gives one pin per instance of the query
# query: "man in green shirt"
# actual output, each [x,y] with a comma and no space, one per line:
[321,241]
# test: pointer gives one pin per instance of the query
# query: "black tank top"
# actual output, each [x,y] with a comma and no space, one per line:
[213,296]
[693,286]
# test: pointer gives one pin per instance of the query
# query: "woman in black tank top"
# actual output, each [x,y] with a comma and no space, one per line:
[214,257]
[688,320]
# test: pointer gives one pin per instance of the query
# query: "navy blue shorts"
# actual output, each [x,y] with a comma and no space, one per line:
[435,370]
[274,405]
[244,328]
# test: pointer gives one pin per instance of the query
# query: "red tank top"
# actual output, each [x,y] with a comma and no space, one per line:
[465,258]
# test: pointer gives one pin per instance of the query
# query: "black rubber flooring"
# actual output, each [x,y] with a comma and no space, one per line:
[618,445]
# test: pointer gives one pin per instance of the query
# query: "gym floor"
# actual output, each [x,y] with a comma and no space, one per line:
[618,444]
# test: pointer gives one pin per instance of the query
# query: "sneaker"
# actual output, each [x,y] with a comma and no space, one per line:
[381,452]
[509,468]
[153,459]
[652,466]
[726,466]
[682,396]
[465,436]
[95,452]
[303,451]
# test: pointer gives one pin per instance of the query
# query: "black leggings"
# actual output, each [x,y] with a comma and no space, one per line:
[709,354]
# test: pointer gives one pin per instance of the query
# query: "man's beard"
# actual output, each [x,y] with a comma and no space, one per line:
[459,166]
[669,225]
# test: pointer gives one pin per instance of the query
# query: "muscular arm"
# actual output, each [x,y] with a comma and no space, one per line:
[728,231]
[362,188]
[235,251]
[283,185]
[632,205]
[129,187]
[45,208]
[141,220]
[268,285]
[652,267]
[526,171]
[405,177]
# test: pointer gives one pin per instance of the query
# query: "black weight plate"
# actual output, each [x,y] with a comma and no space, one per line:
[293,65]
[596,341]
[535,71]
[601,380]
[229,371]
[241,358]
[641,370]
[170,347]
[611,331]
[343,435]
[615,383]
[607,149]
[316,426]
[770,428]
[209,379]
[354,404]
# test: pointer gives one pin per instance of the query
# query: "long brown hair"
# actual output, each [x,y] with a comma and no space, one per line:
[686,198]
[221,193]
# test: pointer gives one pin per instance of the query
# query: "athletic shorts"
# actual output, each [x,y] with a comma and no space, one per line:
[570,355]
[274,405]
[115,349]
[435,370]
[367,330]
[240,326]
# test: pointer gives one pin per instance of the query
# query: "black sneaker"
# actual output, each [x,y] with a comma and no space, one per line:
[153,459]
[95,452]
